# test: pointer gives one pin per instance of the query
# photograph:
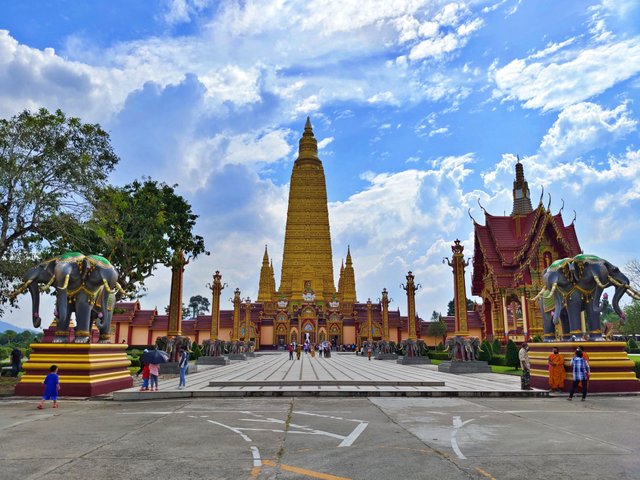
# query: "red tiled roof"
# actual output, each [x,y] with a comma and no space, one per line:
[498,248]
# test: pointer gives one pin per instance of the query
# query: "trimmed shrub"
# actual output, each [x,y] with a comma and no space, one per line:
[196,352]
[536,339]
[135,362]
[134,352]
[440,347]
[438,355]
[632,344]
[496,347]
[485,352]
[637,368]
[500,360]
[511,353]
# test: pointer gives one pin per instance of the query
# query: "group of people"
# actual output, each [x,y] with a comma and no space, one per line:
[579,365]
[151,371]
[323,350]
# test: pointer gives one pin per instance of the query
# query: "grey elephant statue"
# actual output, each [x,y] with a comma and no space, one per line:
[85,286]
[37,278]
[576,284]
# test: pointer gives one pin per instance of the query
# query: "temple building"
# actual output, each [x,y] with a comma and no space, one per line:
[510,255]
[306,305]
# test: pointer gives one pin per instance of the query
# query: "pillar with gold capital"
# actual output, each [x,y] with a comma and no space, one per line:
[369,322]
[459,291]
[247,320]
[216,289]
[385,314]
[411,288]
[236,315]
[175,300]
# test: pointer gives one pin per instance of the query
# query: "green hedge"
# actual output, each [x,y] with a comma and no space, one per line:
[637,368]
[438,355]
[500,360]
[135,362]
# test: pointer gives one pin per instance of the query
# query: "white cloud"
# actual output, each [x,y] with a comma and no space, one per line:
[585,126]
[555,84]
[181,11]
[324,142]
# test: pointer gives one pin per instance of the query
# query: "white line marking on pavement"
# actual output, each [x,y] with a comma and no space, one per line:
[353,436]
[457,425]
[329,416]
[257,462]
[233,429]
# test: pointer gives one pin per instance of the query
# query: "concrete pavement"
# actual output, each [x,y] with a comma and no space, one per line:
[327,438]
[340,375]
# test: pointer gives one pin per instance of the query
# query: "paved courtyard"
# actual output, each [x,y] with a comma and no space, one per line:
[340,375]
[324,437]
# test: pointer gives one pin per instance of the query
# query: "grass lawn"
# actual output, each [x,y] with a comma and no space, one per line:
[506,370]
[7,386]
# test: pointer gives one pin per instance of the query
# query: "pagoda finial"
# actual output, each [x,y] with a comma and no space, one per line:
[308,145]
[349,262]
[265,258]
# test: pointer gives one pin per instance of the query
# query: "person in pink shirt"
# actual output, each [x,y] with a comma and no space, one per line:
[154,371]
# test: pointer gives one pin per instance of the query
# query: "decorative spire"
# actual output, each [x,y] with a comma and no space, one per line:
[265,258]
[308,145]
[349,262]
[348,278]
[265,288]
[521,196]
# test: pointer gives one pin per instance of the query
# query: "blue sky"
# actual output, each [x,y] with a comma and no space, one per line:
[420,108]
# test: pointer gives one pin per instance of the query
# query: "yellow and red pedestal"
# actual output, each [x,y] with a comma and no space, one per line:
[84,369]
[611,368]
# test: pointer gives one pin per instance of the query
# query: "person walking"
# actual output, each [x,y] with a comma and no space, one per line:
[290,348]
[556,371]
[183,364]
[581,373]
[51,387]
[298,351]
[16,361]
[369,352]
[154,372]
[523,355]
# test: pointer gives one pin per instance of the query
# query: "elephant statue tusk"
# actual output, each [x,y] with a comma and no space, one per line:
[553,289]
[20,289]
[617,283]
[44,288]
[599,283]
[106,286]
[66,282]
[122,290]
[535,299]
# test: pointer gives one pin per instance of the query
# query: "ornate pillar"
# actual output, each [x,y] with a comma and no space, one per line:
[216,289]
[247,320]
[525,316]
[385,315]
[505,318]
[175,300]
[411,288]
[459,289]
[369,322]
[236,315]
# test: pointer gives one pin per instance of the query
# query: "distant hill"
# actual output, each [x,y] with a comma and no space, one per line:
[4,326]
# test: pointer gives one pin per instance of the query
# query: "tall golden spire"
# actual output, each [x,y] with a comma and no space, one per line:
[264,290]
[307,259]
[348,280]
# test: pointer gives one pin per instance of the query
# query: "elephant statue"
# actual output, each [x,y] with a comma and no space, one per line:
[547,306]
[41,274]
[472,348]
[576,284]
[457,349]
[212,348]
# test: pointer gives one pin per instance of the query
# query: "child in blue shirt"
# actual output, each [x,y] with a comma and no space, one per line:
[51,387]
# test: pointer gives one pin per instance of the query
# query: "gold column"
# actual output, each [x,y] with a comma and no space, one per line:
[236,314]
[216,289]
[247,320]
[385,315]
[369,322]
[411,288]
[459,289]
[175,300]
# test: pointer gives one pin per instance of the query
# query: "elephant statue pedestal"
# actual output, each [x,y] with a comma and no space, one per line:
[50,334]
[207,360]
[611,369]
[421,360]
[460,368]
[85,369]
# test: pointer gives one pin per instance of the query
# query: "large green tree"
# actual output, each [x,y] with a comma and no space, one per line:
[451,308]
[199,305]
[50,167]
[632,317]
[137,227]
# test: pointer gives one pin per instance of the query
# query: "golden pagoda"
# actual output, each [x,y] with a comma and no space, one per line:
[307,261]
